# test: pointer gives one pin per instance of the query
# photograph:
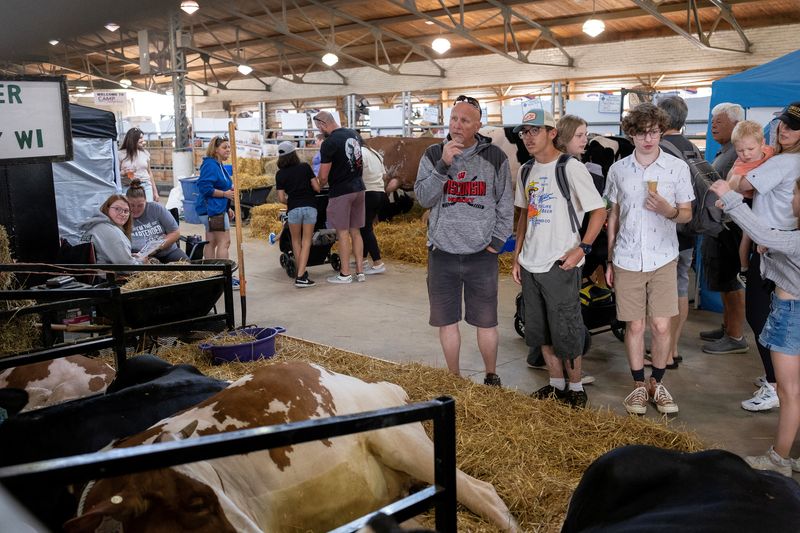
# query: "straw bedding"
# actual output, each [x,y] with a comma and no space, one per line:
[146,280]
[533,452]
[18,333]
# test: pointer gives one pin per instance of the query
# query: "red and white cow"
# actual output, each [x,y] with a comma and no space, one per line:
[60,380]
[307,487]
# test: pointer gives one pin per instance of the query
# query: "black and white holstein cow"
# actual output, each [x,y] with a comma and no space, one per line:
[313,486]
[148,390]
[642,488]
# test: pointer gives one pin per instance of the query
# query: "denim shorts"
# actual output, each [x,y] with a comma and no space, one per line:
[472,277]
[302,215]
[781,333]
[684,262]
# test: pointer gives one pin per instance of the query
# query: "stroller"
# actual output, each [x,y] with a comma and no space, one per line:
[321,241]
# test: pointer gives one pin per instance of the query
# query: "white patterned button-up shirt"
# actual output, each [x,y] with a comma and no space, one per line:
[646,240]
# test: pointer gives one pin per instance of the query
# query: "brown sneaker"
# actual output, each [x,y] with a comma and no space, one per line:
[661,398]
[636,402]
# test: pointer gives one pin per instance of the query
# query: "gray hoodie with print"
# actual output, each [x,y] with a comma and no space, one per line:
[470,201]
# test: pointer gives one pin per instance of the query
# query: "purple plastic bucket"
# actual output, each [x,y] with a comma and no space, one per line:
[261,348]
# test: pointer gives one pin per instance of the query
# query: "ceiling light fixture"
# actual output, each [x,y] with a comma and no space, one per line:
[330,59]
[440,45]
[429,22]
[189,6]
[593,26]
[112,26]
[244,69]
[125,83]
[53,42]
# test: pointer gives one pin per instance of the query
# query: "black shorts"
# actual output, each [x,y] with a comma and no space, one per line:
[553,310]
[474,275]
[721,259]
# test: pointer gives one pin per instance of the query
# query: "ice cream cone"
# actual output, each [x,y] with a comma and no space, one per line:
[652,186]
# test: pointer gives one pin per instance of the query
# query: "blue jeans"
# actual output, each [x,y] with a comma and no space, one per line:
[302,215]
[781,333]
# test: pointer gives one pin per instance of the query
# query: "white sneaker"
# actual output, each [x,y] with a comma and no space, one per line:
[361,277]
[370,270]
[586,379]
[764,399]
[760,381]
[339,278]
[770,461]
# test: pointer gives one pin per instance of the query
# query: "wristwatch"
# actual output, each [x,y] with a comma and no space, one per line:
[587,248]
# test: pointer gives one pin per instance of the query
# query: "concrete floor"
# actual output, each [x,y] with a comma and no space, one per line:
[387,317]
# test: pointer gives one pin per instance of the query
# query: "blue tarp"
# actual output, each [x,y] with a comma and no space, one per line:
[773,84]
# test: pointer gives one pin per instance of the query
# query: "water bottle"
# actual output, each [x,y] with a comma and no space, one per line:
[273,238]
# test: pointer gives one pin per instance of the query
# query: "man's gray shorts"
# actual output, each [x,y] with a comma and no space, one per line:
[474,275]
[553,310]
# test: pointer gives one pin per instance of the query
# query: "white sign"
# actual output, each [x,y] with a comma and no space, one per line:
[609,103]
[34,121]
[431,115]
[108,98]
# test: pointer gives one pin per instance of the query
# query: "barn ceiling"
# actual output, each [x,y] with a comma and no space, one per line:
[286,39]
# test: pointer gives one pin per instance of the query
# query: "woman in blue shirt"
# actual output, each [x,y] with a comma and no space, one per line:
[213,202]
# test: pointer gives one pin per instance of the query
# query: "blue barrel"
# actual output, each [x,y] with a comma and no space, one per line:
[190,195]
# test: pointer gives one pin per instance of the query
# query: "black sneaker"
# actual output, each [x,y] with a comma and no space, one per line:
[536,362]
[714,334]
[303,282]
[577,399]
[548,392]
[493,380]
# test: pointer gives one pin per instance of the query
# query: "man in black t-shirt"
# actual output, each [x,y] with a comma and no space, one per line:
[340,168]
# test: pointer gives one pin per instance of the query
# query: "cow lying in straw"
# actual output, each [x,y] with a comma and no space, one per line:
[308,487]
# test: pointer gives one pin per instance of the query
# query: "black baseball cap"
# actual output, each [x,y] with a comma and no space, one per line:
[791,116]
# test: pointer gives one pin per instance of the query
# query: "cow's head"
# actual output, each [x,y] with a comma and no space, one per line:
[155,501]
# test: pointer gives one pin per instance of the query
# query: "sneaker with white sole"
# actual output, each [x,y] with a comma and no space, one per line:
[372,269]
[636,402]
[770,461]
[303,282]
[760,381]
[795,464]
[662,399]
[764,399]
[360,277]
[714,334]
[341,278]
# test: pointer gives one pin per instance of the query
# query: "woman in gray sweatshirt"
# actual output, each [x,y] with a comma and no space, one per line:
[780,263]
[110,232]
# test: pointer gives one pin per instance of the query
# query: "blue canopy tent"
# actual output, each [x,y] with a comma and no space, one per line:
[773,84]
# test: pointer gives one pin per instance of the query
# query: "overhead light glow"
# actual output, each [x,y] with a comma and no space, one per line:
[190,6]
[53,41]
[244,69]
[112,26]
[440,45]
[330,59]
[125,83]
[429,22]
[594,27]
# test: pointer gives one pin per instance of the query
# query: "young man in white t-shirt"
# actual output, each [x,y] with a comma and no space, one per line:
[650,192]
[548,255]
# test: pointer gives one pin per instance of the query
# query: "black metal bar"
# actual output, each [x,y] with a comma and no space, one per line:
[444,446]
[228,293]
[173,325]
[118,328]
[55,353]
[101,268]
[402,510]
[150,456]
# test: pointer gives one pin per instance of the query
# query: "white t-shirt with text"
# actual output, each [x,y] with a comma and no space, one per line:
[549,233]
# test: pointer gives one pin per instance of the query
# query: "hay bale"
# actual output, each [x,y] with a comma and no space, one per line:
[255,173]
[17,333]
[265,219]
[533,452]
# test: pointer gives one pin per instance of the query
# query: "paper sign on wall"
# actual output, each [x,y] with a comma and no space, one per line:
[34,120]
[108,98]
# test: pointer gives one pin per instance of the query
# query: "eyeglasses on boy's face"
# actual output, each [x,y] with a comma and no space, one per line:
[642,135]
[532,132]
[120,210]
[470,100]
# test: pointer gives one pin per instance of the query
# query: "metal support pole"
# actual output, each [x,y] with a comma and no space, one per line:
[262,119]
[178,65]
[407,114]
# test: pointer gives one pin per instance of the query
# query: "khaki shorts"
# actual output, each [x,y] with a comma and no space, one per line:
[642,294]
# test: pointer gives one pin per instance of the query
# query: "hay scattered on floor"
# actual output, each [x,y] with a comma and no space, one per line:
[533,452]
[265,219]
[232,339]
[18,333]
[147,280]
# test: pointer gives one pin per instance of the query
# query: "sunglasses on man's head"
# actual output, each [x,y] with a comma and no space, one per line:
[319,121]
[469,100]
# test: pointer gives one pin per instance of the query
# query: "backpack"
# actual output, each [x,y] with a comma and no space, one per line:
[563,186]
[706,216]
